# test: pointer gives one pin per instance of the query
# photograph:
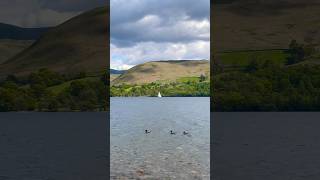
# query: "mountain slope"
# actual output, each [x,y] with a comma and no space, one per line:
[79,44]
[9,48]
[163,71]
[260,24]
[114,71]
[8,31]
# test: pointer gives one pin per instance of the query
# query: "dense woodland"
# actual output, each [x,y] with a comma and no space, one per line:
[266,85]
[191,86]
[45,90]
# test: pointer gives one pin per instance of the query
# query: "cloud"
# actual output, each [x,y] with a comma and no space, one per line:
[126,57]
[159,21]
[144,30]
[156,29]
[71,5]
[39,13]
[128,11]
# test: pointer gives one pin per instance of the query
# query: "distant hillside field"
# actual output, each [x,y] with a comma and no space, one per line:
[163,71]
[235,60]
[79,44]
[9,48]
[257,25]
[113,77]
[115,73]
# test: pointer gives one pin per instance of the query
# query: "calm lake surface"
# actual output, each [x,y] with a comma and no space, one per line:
[54,146]
[266,145]
[160,155]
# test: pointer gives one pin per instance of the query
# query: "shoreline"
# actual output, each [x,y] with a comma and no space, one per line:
[157,96]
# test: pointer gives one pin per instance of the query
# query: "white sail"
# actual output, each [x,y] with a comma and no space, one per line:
[159,94]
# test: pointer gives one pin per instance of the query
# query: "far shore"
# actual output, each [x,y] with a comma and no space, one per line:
[161,97]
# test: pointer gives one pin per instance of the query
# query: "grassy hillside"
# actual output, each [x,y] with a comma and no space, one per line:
[79,44]
[113,77]
[171,78]
[62,87]
[163,71]
[9,48]
[242,58]
[257,65]
[115,73]
[250,25]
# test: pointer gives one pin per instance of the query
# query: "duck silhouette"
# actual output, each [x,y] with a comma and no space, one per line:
[147,131]
[185,132]
[171,132]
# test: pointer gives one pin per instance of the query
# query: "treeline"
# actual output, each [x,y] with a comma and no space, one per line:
[264,85]
[177,89]
[33,93]
[299,52]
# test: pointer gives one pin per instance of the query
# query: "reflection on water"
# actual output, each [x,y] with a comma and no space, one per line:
[159,154]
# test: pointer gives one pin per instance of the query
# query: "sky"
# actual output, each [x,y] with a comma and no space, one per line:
[43,13]
[149,30]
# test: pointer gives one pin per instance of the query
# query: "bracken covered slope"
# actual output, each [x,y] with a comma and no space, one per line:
[79,44]
[164,71]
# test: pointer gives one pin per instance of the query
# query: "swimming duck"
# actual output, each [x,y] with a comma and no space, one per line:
[171,132]
[185,132]
[146,131]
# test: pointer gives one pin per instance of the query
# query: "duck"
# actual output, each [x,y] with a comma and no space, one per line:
[147,131]
[171,132]
[185,132]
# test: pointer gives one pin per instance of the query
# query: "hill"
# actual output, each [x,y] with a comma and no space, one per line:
[163,71]
[255,67]
[260,24]
[9,48]
[8,31]
[79,44]
[114,71]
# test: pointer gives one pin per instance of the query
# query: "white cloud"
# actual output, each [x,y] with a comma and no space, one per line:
[127,57]
[158,30]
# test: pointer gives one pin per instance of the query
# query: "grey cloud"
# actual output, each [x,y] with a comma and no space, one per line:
[148,51]
[72,5]
[127,29]
[125,11]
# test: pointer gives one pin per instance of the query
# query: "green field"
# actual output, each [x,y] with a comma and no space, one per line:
[242,58]
[59,88]
[188,79]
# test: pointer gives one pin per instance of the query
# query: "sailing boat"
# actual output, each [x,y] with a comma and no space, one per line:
[159,94]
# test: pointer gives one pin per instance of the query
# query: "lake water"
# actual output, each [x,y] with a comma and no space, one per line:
[266,145]
[52,146]
[160,155]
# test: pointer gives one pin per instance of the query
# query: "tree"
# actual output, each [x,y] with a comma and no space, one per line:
[12,78]
[202,78]
[253,65]
[269,64]
[298,52]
